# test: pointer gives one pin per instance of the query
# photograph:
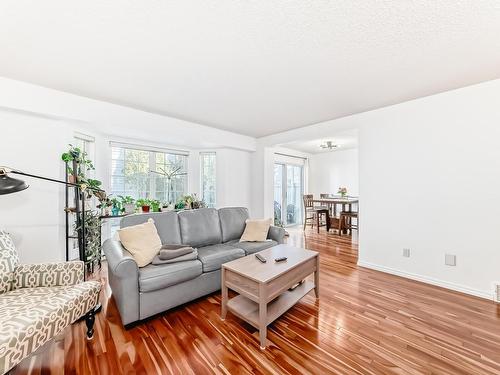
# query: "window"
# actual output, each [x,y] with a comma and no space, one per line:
[153,174]
[208,177]
[86,144]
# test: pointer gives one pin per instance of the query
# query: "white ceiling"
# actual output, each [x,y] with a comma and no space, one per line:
[252,67]
[344,140]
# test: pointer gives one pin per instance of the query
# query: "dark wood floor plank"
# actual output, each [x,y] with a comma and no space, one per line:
[366,322]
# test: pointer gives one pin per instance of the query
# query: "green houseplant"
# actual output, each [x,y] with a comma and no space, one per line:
[128,204]
[76,158]
[92,238]
[116,206]
[80,157]
[155,205]
[144,204]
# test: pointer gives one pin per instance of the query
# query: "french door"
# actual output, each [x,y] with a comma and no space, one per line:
[288,190]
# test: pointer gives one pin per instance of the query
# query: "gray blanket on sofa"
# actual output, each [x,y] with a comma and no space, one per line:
[172,256]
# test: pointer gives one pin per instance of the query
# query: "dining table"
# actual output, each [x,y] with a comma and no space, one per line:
[333,202]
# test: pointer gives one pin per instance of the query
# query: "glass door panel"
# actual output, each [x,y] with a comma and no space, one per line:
[288,190]
[278,194]
[293,194]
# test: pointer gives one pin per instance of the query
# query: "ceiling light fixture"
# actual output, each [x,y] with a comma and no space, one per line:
[329,145]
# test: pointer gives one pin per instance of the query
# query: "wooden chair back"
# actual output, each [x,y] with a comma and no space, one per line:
[308,200]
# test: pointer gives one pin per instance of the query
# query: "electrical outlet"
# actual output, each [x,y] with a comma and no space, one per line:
[406,252]
[450,260]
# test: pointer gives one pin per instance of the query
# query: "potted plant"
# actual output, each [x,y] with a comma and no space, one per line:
[196,202]
[144,204]
[116,206]
[128,204]
[75,154]
[180,205]
[342,191]
[104,202]
[89,185]
[155,205]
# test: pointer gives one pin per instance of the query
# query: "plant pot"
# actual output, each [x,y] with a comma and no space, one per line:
[129,208]
[145,209]
[115,211]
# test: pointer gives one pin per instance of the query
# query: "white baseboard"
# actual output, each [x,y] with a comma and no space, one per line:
[428,280]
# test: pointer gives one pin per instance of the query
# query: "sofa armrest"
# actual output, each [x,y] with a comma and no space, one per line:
[120,261]
[277,234]
[123,274]
[48,274]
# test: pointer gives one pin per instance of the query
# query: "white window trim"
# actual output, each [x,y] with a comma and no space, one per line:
[149,148]
[201,175]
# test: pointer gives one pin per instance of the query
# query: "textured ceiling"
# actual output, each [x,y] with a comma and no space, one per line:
[253,67]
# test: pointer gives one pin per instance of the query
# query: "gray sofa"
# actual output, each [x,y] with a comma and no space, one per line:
[143,292]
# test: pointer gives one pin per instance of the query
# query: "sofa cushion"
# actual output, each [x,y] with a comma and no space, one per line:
[167,225]
[29,317]
[214,256]
[252,247]
[142,241]
[200,227]
[154,277]
[8,261]
[256,230]
[232,222]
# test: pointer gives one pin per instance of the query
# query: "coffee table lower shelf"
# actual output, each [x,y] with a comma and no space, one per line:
[248,310]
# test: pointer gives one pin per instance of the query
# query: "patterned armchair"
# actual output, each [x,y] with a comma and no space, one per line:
[38,301]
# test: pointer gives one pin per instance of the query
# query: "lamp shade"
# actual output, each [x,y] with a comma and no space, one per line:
[10,185]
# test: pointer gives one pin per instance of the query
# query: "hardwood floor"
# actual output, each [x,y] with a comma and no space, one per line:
[366,322]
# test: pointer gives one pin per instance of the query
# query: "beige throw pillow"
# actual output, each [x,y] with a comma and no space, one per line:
[142,241]
[256,230]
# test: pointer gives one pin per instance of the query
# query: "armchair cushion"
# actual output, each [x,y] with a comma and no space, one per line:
[8,261]
[48,274]
[29,317]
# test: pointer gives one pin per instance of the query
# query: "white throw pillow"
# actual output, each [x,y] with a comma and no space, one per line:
[142,241]
[256,230]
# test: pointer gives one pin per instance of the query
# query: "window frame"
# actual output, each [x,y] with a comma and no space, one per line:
[151,192]
[202,165]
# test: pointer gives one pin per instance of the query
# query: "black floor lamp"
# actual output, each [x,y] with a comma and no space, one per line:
[10,185]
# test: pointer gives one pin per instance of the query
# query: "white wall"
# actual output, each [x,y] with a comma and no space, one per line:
[33,217]
[330,170]
[429,180]
[233,170]
[437,160]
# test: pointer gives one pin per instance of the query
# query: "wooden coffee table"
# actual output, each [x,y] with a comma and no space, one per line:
[264,288]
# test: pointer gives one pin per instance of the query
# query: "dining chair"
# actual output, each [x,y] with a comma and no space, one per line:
[331,206]
[314,213]
[346,221]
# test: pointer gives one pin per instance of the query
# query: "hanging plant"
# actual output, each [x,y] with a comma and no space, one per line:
[80,157]
[92,237]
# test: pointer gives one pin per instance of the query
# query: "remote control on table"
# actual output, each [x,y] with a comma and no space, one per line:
[280,259]
[261,258]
